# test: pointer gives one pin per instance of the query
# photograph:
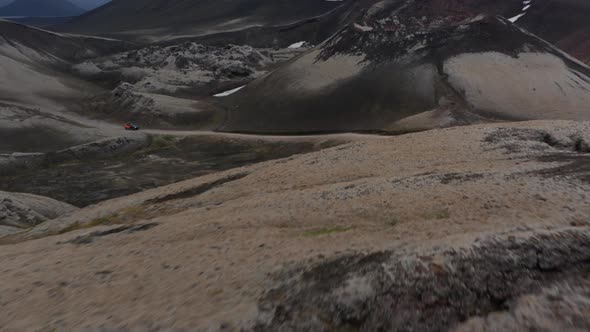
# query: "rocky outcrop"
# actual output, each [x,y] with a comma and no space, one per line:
[166,69]
[389,291]
[559,307]
[160,84]
[20,211]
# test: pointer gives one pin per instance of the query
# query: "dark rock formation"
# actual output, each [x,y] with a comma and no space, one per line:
[391,291]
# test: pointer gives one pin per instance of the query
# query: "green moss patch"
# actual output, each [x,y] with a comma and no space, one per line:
[325,231]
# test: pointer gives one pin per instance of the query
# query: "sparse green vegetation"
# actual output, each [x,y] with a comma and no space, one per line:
[132,210]
[104,221]
[163,141]
[128,215]
[437,214]
[179,158]
[326,231]
[215,292]
[159,143]
[440,214]
[392,222]
[73,162]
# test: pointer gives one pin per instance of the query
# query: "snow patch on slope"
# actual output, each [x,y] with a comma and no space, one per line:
[229,92]
[297,45]
[526,6]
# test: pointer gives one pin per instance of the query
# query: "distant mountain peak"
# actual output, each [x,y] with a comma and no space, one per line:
[41,8]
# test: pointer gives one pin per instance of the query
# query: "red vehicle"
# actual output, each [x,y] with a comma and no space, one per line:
[130,126]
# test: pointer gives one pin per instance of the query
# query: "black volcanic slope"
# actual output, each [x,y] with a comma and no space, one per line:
[53,45]
[415,65]
[565,23]
[40,8]
[162,19]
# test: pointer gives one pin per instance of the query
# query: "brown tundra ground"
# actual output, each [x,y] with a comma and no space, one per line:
[467,228]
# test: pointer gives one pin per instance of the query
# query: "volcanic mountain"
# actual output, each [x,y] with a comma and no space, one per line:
[409,66]
[41,8]
[162,19]
[272,23]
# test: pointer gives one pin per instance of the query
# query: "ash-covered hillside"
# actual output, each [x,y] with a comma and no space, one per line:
[408,65]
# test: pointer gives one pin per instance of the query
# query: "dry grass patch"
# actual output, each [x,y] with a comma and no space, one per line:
[125,216]
[438,214]
[326,231]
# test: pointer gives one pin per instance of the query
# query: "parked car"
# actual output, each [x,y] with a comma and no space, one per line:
[130,126]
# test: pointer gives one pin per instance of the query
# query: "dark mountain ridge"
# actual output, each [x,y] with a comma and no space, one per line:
[278,23]
[163,19]
[41,8]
